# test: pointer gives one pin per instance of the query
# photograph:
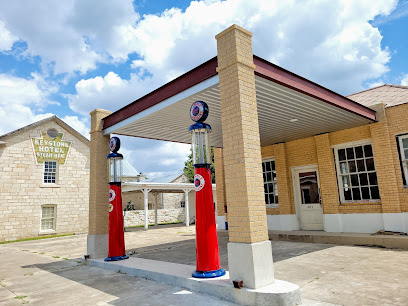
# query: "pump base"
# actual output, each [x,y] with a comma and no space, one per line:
[209,274]
[116,258]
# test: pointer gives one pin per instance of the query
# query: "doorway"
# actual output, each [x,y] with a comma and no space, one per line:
[307,197]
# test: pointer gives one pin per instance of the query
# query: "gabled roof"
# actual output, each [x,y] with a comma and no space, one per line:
[128,169]
[389,94]
[168,178]
[52,118]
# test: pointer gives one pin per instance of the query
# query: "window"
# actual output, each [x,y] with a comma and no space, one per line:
[356,173]
[48,213]
[270,184]
[403,153]
[50,172]
[182,204]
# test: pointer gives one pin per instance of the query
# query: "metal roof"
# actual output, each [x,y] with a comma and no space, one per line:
[128,170]
[289,107]
[168,178]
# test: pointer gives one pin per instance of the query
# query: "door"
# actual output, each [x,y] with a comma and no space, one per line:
[307,197]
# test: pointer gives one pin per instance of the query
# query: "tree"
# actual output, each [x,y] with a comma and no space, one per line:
[189,167]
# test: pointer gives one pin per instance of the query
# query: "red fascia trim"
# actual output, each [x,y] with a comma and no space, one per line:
[267,70]
[185,81]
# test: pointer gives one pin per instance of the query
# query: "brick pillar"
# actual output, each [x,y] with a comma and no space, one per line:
[220,181]
[386,172]
[97,246]
[328,184]
[249,250]
[284,182]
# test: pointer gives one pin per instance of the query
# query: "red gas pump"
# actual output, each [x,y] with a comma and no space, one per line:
[116,234]
[207,253]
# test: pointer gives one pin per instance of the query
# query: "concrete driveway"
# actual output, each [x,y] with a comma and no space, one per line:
[48,272]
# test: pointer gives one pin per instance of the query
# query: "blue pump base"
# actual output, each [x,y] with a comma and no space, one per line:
[116,258]
[209,274]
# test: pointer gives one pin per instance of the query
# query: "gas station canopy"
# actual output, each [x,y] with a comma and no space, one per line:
[289,107]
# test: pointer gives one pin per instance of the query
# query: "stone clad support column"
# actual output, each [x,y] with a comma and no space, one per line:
[97,240]
[249,250]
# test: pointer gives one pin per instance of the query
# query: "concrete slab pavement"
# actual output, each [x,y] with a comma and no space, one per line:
[34,274]
[327,274]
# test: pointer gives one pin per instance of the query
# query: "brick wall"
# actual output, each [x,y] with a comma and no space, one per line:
[318,150]
[398,124]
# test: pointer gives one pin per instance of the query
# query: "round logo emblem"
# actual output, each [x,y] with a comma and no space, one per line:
[112,195]
[199,111]
[114,144]
[199,182]
[110,207]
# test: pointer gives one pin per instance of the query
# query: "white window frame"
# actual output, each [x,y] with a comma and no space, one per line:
[54,218]
[182,204]
[44,184]
[274,205]
[404,161]
[353,144]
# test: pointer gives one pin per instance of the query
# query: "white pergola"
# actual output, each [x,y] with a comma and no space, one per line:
[146,187]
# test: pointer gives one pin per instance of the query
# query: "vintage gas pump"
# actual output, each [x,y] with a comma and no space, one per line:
[207,253]
[116,235]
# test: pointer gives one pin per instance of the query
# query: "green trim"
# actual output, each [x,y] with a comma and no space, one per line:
[36,238]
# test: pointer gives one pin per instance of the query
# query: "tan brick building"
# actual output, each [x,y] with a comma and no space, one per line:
[290,154]
[44,180]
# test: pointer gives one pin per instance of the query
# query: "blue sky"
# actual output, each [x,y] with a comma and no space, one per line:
[72,56]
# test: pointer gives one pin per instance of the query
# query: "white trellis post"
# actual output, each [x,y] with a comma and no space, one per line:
[146,207]
[155,208]
[186,207]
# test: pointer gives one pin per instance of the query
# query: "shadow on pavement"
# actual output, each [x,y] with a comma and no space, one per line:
[183,252]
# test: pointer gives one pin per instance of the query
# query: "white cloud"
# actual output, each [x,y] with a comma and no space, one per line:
[330,42]
[17,116]
[404,80]
[6,38]
[80,125]
[72,35]
[400,11]
[22,102]
[110,92]
[375,84]
[33,92]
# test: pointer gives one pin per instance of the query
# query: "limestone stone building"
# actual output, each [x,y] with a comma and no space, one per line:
[44,180]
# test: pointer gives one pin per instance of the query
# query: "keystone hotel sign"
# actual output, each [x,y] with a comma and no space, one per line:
[51,146]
